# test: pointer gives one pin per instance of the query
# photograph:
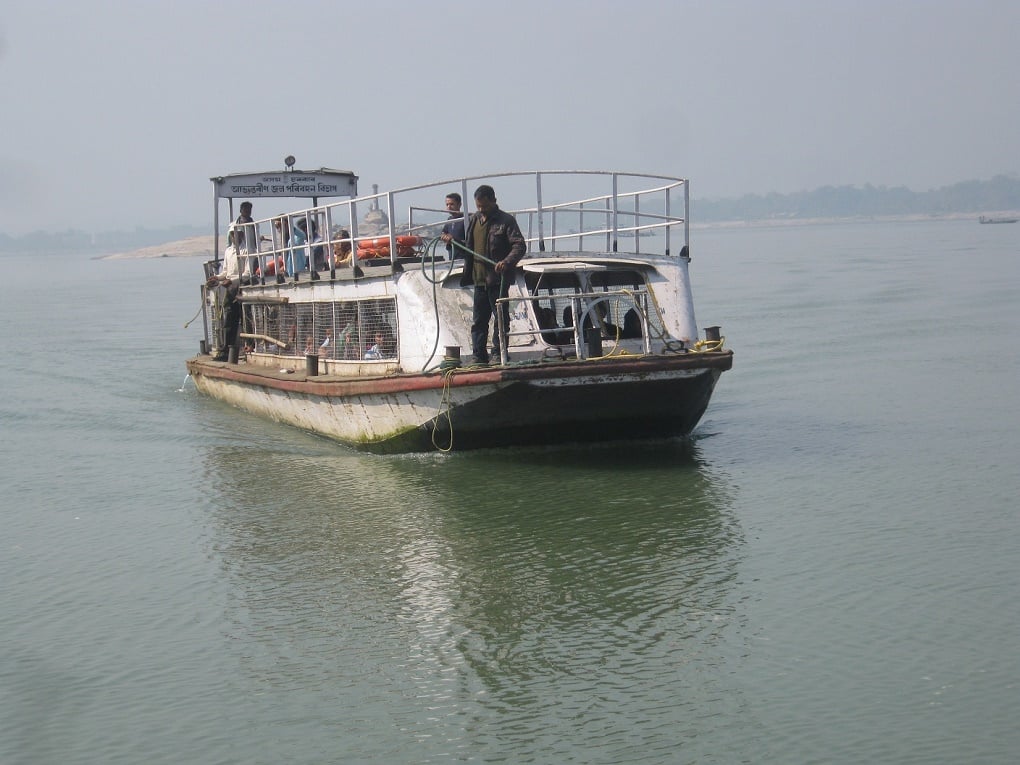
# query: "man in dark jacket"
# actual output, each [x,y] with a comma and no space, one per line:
[496,238]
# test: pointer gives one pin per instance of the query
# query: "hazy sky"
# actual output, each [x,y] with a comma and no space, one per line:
[116,114]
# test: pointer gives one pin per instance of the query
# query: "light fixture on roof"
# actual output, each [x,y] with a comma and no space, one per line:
[289,161]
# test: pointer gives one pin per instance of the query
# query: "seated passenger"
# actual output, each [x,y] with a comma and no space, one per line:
[566,336]
[631,324]
[609,329]
[378,350]
[347,342]
[389,341]
[546,320]
[319,260]
[326,347]
[342,250]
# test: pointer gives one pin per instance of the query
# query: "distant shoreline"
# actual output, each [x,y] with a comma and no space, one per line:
[192,247]
[913,218]
[202,246]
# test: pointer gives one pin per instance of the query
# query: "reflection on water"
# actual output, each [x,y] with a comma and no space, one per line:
[466,585]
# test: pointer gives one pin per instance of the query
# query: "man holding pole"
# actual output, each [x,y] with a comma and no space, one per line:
[495,246]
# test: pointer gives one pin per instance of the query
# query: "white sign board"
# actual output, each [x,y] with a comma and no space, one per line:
[296,183]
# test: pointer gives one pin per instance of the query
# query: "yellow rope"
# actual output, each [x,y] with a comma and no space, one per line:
[444,411]
[197,314]
[707,346]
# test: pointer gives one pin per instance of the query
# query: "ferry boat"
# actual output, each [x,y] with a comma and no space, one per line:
[353,323]
[997,219]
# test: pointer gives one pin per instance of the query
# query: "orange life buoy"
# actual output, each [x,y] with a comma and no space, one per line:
[368,253]
[384,242]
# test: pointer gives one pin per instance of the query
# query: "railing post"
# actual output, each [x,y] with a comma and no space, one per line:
[205,313]
[353,211]
[575,312]
[502,331]
[669,228]
[538,207]
[392,236]
[216,225]
[687,217]
[616,210]
[580,226]
[645,324]
[637,223]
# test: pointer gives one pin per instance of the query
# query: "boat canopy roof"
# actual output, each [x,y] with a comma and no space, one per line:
[323,182]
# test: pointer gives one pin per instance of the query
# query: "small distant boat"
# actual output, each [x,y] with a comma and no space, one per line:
[997,219]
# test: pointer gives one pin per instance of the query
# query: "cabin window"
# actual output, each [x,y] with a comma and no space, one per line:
[351,330]
[615,299]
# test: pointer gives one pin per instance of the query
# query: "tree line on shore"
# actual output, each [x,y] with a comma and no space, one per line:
[967,197]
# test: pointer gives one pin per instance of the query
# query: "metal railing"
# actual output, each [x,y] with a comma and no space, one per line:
[587,317]
[556,210]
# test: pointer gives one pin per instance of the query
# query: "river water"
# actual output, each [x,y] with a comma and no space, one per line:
[826,572]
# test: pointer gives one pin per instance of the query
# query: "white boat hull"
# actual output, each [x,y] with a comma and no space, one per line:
[469,409]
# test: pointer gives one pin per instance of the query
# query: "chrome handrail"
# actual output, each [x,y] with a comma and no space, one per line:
[621,212]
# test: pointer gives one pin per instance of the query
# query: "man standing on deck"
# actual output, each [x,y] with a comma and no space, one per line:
[251,240]
[495,237]
[226,286]
[453,229]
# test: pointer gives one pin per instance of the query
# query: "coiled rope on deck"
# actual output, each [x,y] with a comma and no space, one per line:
[707,346]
